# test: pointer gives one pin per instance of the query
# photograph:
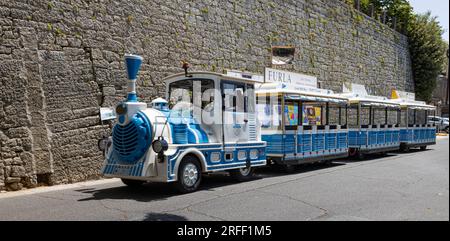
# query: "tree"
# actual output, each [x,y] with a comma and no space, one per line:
[401,10]
[428,52]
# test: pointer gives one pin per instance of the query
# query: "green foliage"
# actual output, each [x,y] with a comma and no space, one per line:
[130,19]
[428,52]
[400,9]
[204,10]
[50,5]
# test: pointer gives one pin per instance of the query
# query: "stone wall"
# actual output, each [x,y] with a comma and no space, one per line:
[62,60]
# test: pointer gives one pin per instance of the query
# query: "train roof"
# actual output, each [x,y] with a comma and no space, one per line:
[229,75]
[418,105]
[308,94]
[408,100]
[370,100]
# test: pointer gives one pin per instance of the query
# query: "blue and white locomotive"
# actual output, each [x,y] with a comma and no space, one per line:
[207,123]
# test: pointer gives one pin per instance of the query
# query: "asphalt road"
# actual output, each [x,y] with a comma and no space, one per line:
[413,186]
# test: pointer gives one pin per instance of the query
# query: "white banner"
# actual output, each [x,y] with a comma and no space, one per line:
[290,79]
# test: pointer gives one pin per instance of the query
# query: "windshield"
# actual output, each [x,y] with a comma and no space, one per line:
[191,98]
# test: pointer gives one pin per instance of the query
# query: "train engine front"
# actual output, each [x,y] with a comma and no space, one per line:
[134,151]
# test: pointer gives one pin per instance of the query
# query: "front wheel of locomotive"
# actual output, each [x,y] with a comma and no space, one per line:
[243,174]
[189,175]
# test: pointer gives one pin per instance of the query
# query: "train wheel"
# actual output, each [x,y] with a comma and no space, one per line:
[189,175]
[423,148]
[132,183]
[360,156]
[243,174]
[352,152]
[290,168]
[406,149]
[328,163]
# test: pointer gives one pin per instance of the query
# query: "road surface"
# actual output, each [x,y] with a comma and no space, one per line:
[413,186]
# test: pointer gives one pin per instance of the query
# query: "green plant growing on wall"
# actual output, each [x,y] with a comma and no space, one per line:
[358,18]
[50,6]
[323,21]
[311,23]
[59,32]
[311,60]
[383,62]
[204,10]
[130,19]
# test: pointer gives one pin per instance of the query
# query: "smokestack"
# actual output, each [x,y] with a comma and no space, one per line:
[133,64]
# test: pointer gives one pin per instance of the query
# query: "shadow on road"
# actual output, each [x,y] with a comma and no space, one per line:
[161,191]
[163,217]
[368,157]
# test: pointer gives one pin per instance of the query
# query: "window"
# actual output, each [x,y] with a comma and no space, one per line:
[291,114]
[313,114]
[238,97]
[269,112]
[392,116]
[352,113]
[187,96]
[336,115]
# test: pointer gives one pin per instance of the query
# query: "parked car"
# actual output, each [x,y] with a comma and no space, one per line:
[441,123]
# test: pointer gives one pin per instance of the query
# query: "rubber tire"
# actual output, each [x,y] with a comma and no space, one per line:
[423,148]
[447,130]
[238,176]
[290,168]
[360,156]
[132,183]
[406,149]
[327,163]
[180,185]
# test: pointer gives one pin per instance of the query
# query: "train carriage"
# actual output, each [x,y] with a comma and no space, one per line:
[374,125]
[302,124]
[415,129]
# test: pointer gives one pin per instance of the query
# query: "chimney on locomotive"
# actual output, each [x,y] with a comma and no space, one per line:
[133,64]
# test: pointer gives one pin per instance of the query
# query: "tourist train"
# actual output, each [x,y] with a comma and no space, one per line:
[236,122]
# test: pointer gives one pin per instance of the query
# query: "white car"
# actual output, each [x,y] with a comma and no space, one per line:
[441,123]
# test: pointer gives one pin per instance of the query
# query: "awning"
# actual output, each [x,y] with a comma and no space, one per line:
[315,99]
[378,104]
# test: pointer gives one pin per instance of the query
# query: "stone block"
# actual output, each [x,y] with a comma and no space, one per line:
[10,180]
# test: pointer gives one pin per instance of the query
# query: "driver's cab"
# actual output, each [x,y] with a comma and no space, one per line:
[214,108]
[212,117]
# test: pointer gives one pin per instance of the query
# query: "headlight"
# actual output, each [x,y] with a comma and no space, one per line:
[103,144]
[160,146]
[121,109]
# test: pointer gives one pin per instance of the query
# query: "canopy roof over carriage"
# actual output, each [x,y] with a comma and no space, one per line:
[303,94]
[369,100]
[407,100]
[357,94]
[229,75]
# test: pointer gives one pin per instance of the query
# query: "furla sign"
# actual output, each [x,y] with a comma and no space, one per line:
[290,79]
